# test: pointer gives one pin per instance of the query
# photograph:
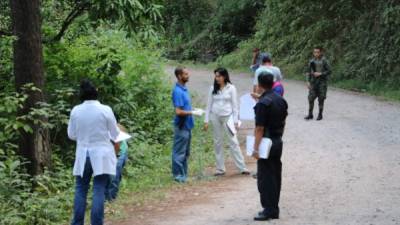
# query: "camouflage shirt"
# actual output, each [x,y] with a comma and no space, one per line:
[318,65]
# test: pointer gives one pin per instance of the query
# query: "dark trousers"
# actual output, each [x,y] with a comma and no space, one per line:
[81,190]
[112,187]
[269,178]
[319,91]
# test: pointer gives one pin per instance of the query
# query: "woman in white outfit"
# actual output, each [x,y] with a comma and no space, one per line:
[222,104]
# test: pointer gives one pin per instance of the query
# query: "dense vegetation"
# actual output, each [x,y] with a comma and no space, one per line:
[129,78]
[361,38]
[120,45]
[203,30]
[116,45]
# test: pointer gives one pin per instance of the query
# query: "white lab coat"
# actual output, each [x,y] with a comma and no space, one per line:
[92,125]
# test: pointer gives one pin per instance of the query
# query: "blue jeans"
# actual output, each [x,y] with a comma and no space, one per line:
[180,154]
[113,184]
[81,189]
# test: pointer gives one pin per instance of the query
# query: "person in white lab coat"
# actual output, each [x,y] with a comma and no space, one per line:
[222,106]
[92,125]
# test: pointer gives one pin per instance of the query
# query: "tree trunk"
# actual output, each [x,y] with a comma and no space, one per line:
[28,68]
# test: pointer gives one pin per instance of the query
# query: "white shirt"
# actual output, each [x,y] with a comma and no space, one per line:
[92,125]
[270,69]
[224,103]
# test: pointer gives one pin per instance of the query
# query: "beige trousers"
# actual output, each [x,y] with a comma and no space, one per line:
[220,130]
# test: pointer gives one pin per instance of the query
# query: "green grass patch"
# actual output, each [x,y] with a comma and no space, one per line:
[150,178]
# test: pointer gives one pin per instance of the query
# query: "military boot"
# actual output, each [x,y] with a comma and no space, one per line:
[310,114]
[321,110]
[320,114]
[309,117]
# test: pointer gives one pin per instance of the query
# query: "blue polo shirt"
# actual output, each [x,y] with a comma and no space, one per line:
[181,99]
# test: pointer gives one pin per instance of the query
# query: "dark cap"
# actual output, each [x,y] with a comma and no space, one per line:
[265,57]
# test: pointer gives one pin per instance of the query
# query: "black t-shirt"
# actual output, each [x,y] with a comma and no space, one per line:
[271,113]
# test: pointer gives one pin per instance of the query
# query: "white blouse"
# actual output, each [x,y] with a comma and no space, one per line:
[224,103]
[92,125]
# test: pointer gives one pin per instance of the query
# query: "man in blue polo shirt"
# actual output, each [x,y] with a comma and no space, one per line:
[183,124]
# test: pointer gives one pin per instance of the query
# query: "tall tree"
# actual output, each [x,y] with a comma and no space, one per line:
[28,68]
[142,16]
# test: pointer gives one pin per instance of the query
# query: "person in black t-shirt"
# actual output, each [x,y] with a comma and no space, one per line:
[271,113]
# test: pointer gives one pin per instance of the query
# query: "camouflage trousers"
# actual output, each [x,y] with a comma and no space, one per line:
[318,90]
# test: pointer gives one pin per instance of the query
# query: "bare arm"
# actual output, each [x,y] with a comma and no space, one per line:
[181,112]
[254,60]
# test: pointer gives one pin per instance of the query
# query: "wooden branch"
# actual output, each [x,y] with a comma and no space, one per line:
[75,13]
[5,33]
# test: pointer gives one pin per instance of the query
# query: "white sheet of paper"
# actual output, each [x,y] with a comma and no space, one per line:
[231,125]
[122,137]
[247,104]
[264,148]
[198,112]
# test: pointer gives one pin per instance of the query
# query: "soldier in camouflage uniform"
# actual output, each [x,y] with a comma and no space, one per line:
[318,71]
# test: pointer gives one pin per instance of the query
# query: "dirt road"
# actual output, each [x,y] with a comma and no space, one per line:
[344,169]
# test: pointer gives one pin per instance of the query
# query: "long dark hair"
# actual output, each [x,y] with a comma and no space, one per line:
[222,72]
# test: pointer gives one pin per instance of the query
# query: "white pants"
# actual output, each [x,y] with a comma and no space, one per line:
[220,130]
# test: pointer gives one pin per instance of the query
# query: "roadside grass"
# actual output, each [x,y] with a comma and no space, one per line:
[151,182]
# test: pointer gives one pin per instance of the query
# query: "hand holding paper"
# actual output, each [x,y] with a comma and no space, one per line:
[264,148]
[198,112]
[122,137]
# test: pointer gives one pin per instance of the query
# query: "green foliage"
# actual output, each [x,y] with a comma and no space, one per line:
[9,121]
[140,18]
[129,78]
[358,37]
[5,21]
[184,20]
[211,29]
[23,199]
[81,41]
[48,201]
[149,166]
[6,77]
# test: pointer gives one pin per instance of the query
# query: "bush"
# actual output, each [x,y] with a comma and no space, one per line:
[222,26]
[358,49]
[130,79]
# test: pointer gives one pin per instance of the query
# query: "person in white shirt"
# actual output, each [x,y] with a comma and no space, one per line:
[92,125]
[222,106]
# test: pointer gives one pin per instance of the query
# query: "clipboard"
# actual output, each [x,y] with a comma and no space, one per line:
[264,148]
[230,124]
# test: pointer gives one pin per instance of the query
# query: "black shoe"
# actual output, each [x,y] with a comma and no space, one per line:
[309,117]
[319,117]
[219,174]
[263,216]
[246,172]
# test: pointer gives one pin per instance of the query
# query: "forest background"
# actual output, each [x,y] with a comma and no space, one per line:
[48,46]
